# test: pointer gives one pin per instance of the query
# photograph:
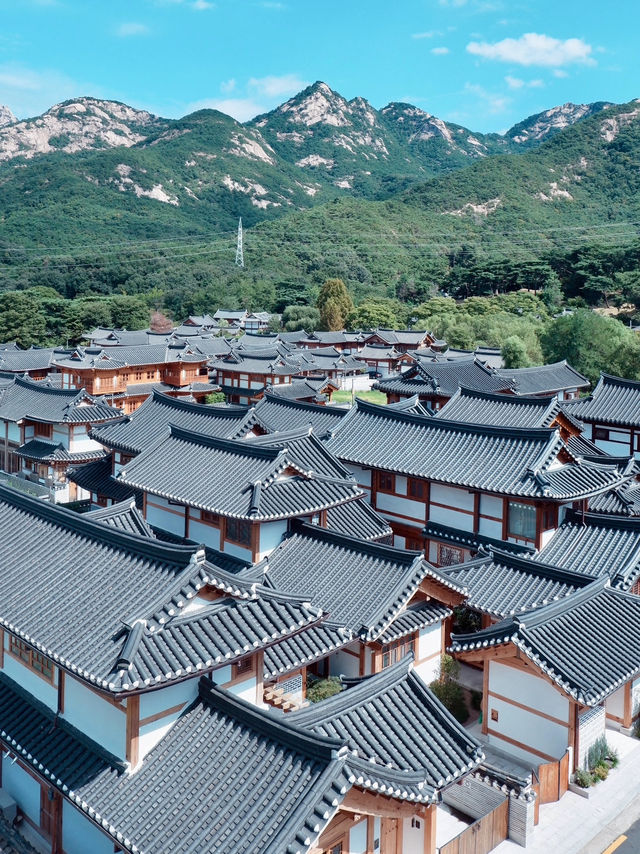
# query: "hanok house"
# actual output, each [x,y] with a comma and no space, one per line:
[111,732]
[276,412]
[435,382]
[35,362]
[383,360]
[552,676]
[237,496]
[383,603]
[243,376]
[46,429]
[450,486]
[309,389]
[612,415]
[558,379]
[128,375]
[402,340]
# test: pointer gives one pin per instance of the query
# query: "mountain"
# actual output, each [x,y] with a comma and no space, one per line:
[85,123]
[544,125]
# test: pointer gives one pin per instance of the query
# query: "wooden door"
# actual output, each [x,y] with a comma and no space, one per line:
[549,775]
[563,783]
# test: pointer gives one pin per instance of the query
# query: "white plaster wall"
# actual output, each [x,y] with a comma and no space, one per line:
[616,449]
[358,838]
[271,534]
[80,836]
[452,518]
[635,697]
[401,484]
[162,518]
[452,496]
[615,703]
[529,729]
[222,676]
[237,551]
[400,506]
[528,689]
[246,690]
[157,701]
[490,505]
[429,645]
[546,537]
[201,533]
[342,663]
[14,432]
[412,837]
[83,442]
[490,528]
[30,681]
[362,476]
[24,790]
[399,542]
[95,716]
[61,434]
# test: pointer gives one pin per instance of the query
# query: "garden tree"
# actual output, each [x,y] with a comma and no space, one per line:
[160,322]
[552,294]
[296,317]
[592,343]
[375,313]
[129,312]
[274,324]
[22,320]
[629,284]
[514,353]
[334,304]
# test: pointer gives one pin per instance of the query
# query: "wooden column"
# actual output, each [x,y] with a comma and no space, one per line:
[628,706]
[399,833]
[370,833]
[430,829]
[133,729]
[485,698]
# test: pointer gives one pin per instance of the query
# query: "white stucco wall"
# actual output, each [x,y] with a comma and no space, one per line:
[398,506]
[271,534]
[30,681]
[358,838]
[343,663]
[162,515]
[95,716]
[80,836]
[246,690]
[429,646]
[202,533]
[24,790]
[157,701]
[413,837]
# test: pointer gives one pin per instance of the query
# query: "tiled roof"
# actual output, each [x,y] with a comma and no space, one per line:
[275,412]
[39,401]
[613,401]
[260,479]
[504,460]
[505,410]
[358,519]
[136,630]
[96,477]
[624,501]
[304,648]
[52,452]
[471,540]
[110,358]
[545,379]
[588,642]
[501,583]
[270,786]
[143,427]
[414,618]
[443,378]
[34,359]
[304,387]
[123,515]
[428,749]
[596,545]
[362,585]
[402,336]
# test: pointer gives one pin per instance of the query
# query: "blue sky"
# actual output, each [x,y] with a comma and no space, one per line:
[483,63]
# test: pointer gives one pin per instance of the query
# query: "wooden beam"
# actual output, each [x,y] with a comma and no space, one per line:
[133,730]
[485,698]
[430,829]
[368,803]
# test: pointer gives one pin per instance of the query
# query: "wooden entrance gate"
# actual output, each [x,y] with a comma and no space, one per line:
[483,835]
[554,779]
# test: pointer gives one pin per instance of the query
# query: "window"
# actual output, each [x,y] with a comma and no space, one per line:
[494,714]
[601,433]
[415,822]
[416,488]
[449,555]
[550,518]
[210,518]
[239,531]
[138,376]
[521,521]
[393,652]
[42,665]
[386,482]
[151,375]
[45,430]
[242,667]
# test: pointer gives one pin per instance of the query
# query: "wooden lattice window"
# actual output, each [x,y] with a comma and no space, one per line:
[33,659]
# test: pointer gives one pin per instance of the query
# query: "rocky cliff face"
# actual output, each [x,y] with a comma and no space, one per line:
[543,125]
[6,116]
[86,123]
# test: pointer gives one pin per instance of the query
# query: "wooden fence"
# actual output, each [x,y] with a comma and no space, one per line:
[554,779]
[483,835]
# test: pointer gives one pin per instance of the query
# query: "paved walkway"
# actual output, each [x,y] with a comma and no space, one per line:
[576,825]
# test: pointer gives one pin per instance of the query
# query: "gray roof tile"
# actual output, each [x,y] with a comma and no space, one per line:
[613,401]
[544,379]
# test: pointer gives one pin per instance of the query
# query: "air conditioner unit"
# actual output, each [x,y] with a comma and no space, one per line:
[8,807]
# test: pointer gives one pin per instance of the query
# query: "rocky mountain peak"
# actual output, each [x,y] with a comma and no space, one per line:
[75,126]
[545,124]
[6,116]
[317,104]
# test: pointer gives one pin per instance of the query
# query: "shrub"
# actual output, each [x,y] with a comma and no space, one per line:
[447,689]
[613,757]
[322,689]
[582,778]
[601,771]
[598,752]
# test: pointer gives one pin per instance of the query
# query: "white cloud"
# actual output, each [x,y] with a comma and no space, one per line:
[558,72]
[241,109]
[453,2]
[274,87]
[517,83]
[29,92]
[535,49]
[495,102]
[201,5]
[439,51]
[428,35]
[227,86]
[132,28]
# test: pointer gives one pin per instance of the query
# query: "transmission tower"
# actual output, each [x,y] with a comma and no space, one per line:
[239,251]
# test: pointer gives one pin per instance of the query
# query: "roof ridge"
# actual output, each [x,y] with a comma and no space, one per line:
[269,723]
[315,532]
[553,609]
[301,404]
[536,567]
[228,410]
[234,446]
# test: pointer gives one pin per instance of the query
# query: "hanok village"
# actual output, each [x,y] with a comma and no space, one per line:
[278,625]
